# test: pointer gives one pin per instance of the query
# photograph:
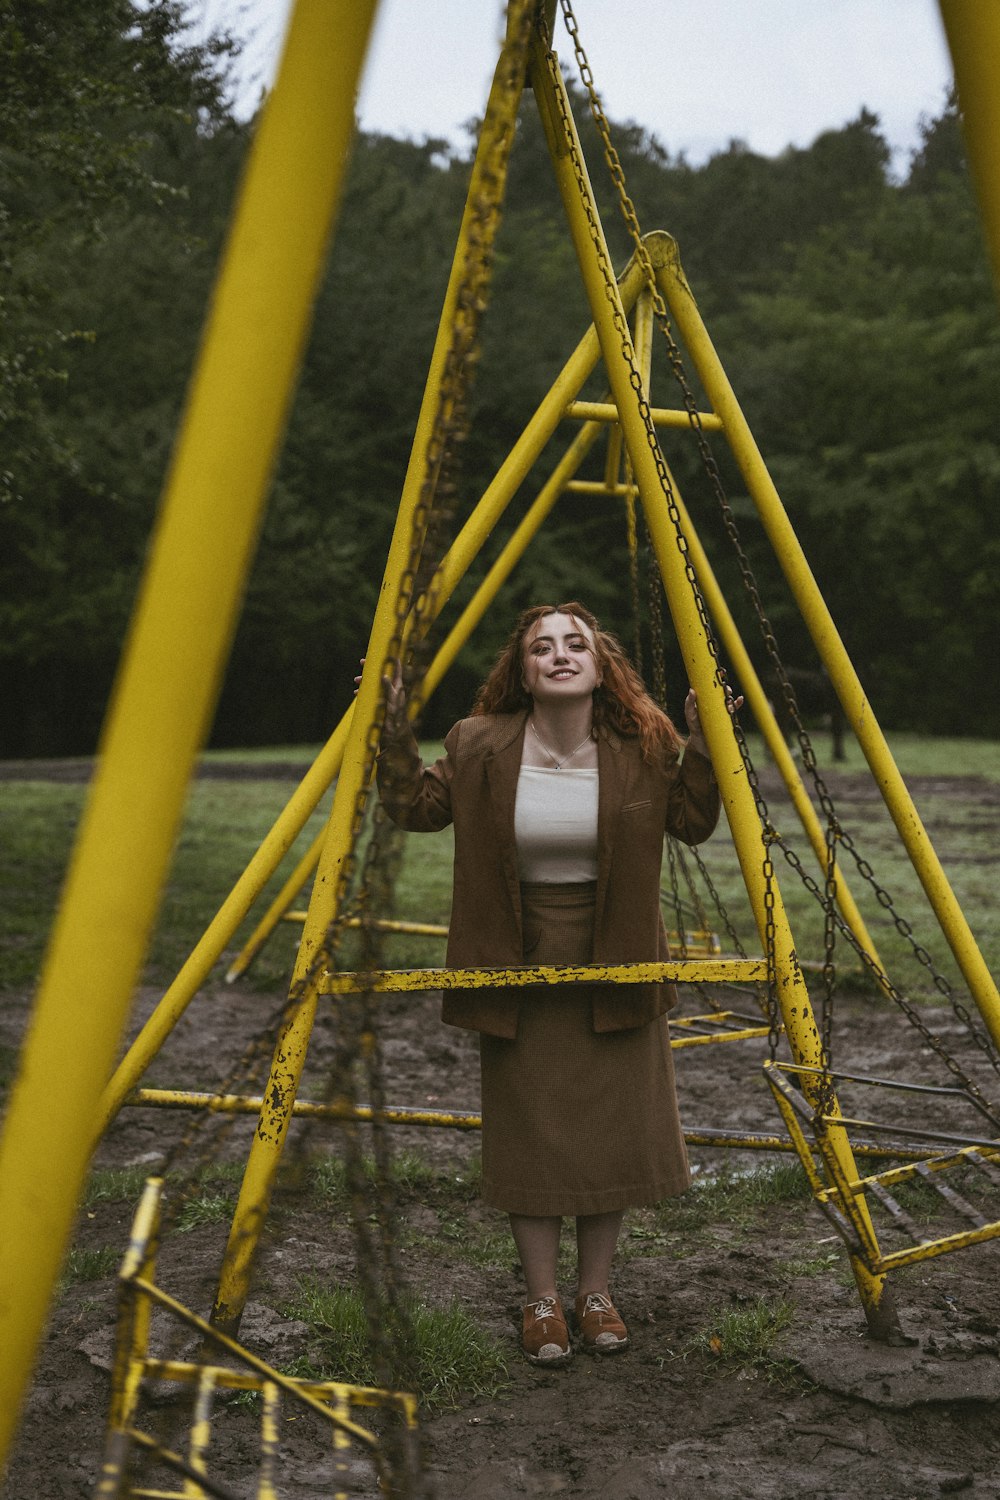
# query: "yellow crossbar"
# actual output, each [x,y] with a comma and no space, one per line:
[691,971]
[663,416]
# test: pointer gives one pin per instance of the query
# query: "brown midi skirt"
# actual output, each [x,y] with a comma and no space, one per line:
[576,1121]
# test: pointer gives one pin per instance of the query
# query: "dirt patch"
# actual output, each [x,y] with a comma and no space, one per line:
[832,1414]
[826,1413]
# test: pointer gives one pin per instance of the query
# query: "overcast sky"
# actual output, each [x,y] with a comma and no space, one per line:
[697,73]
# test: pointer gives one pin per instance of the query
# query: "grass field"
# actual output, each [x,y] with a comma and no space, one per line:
[226,820]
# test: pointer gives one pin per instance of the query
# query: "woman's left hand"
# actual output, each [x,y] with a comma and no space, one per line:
[693,717]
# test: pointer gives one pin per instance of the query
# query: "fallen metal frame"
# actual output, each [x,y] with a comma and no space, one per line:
[134,1368]
[841,1194]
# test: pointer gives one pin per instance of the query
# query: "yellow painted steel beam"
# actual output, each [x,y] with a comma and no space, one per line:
[973,31]
[743,1034]
[308,1109]
[184,1373]
[895,1260]
[287,1383]
[749,684]
[936,1164]
[472,535]
[691,971]
[413,929]
[831,648]
[662,416]
[451,1119]
[313,786]
[352,783]
[592,254]
[168,680]
[601,487]
[278,910]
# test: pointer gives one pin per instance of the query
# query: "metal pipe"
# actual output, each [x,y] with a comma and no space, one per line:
[828,643]
[170,671]
[351,790]
[973,32]
[609,319]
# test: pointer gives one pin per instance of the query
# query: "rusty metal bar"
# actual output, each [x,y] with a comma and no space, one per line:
[696,971]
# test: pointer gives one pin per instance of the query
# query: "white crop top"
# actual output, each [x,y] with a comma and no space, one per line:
[555,825]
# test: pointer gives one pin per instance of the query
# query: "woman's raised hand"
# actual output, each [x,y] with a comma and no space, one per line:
[693,717]
[395,697]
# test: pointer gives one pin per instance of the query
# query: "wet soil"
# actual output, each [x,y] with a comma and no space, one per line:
[828,1412]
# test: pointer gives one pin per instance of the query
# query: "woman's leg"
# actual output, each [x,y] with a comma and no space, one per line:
[537,1241]
[596,1242]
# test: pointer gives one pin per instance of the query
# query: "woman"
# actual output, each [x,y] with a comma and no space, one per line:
[560,787]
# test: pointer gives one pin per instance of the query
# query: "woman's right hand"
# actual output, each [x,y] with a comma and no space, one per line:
[395,697]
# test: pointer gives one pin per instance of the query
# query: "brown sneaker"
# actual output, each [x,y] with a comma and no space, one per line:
[544,1335]
[601,1329]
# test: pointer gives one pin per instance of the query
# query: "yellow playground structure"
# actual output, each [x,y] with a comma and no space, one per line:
[171,667]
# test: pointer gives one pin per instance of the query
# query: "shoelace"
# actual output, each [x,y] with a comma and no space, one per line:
[545,1307]
[597,1302]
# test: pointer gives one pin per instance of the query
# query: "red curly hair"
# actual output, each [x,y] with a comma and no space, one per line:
[620,698]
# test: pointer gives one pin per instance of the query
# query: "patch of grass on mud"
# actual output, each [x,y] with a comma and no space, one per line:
[743,1338]
[477,1244]
[90,1263]
[453,1361]
[115,1185]
[205,1208]
[409,1172]
[731,1198]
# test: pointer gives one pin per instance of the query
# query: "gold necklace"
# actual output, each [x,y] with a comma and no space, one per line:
[567,758]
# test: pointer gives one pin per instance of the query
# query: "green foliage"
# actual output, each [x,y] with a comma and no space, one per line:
[733,1199]
[409,1171]
[115,1185]
[205,1208]
[854,313]
[744,1337]
[453,1361]
[90,1264]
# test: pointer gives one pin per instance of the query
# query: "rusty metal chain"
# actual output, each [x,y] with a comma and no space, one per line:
[829,965]
[627,209]
[635,380]
[362,891]
[632,536]
[373,1212]
[908,1008]
[675,898]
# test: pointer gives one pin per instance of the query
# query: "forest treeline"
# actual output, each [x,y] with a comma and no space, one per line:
[853,311]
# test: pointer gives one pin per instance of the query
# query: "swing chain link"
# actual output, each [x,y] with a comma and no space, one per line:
[372,1212]
[834,827]
[771,942]
[635,380]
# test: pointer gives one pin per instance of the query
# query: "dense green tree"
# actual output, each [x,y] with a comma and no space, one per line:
[106,116]
[854,313]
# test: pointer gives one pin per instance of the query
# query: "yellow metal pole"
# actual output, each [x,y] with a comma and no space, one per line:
[177,643]
[750,686]
[292,1044]
[737,799]
[830,646]
[211,945]
[663,244]
[973,32]
[511,554]
[279,908]
[304,800]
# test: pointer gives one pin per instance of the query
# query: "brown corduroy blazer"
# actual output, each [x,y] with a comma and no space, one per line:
[474,786]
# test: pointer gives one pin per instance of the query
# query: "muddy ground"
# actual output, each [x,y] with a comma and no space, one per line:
[826,1412]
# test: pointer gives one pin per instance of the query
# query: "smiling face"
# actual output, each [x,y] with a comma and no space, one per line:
[558,660]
